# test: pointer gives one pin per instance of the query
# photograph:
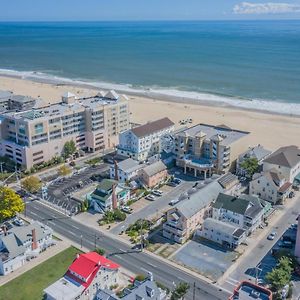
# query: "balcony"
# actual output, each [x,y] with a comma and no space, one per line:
[177,231]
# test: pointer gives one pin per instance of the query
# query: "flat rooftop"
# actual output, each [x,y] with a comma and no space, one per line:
[250,291]
[226,134]
[62,108]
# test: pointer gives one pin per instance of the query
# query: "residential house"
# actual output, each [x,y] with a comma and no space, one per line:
[244,211]
[144,141]
[205,149]
[230,183]
[258,152]
[270,186]
[87,274]
[108,195]
[286,162]
[224,233]
[126,170]
[21,243]
[33,136]
[183,219]
[153,174]
[145,290]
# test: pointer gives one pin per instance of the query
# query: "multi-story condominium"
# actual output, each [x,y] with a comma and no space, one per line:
[21,243]
[258,152]
[4,97]
[285,161]
[244,211]
[270,186]
[184,218]
[224,233]
[88,273]
[204,149]
[144,141]
[34,136]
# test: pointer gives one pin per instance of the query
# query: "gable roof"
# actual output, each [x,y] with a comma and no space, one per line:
[112,95]
[152,127]
[285,156]
[129,165]
[155,168]
[258,152]
[86,264]
[106,184]
[13,246]
[199,199]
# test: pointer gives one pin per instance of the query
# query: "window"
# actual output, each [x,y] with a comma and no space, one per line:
[39,128]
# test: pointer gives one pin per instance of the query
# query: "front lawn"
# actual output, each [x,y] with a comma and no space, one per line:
[31,284]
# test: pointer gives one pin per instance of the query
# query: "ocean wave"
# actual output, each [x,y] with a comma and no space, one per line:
[168,94]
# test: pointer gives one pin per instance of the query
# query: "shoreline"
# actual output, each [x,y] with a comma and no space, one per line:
[167,95]
[268,129]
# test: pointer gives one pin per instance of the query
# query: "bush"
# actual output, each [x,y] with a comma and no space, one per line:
[100,251]
[140,277]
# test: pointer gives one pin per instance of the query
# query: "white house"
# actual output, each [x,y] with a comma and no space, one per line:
[258,152]
[244,211]
[144,141]
[286,162]
[20,243]
[270,186]
[127,170]
[223,233]
[87,274]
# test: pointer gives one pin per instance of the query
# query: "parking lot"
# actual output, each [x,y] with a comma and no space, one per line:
[206,258]
[60,190]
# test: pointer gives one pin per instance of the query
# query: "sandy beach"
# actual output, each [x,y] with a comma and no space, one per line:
[267,129]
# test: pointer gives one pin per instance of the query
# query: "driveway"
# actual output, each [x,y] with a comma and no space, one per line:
[206,258]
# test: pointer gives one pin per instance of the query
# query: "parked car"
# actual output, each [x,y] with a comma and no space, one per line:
[177,180]
[294,226]
[127,209]
[174,202]
[171,183]
[291,194]
[8,225]
[18,222]
[272,235]
[150,197]
[157,193]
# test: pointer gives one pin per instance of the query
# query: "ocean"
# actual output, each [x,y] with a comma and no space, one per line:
[250,64]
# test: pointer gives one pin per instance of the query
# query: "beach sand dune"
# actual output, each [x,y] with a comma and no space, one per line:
[272,131]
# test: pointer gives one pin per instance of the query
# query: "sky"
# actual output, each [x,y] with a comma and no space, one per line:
[105,10]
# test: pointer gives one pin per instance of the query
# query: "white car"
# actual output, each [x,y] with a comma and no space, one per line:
[271,236]
[150,197]
[19,222]
[157,193]
[173,202]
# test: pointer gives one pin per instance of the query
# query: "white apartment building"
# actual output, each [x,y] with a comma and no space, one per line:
[144,141]
[34,136]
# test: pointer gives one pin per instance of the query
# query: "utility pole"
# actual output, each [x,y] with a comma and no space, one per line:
[1,166]
[194,291]
[81,241]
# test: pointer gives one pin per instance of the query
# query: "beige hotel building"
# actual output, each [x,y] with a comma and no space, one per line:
[35,136]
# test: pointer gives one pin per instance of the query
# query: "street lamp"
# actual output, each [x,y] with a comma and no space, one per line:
[81,241]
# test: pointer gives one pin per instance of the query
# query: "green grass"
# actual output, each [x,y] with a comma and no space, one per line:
[31,284]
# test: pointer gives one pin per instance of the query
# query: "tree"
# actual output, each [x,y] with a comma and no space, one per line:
[31,184]
[250,165]
[69,149]
[180,291]
[10,203]
[64,171]
[281,275]
[100,251]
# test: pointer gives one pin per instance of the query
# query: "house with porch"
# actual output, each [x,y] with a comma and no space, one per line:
[183,219]
[88,273]
[244,211]
[153,174]
[19,244]
[108,195]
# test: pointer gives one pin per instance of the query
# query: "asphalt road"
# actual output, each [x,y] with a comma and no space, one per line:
[136,262]
[154,207]
[263,245]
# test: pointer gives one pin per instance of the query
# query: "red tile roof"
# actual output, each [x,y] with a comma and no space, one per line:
[285,187]
[87,266]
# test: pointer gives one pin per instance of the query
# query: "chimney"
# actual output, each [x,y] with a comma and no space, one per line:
[114,197]
[34,242]
[116,170]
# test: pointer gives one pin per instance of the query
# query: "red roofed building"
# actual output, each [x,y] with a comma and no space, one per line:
[87,274]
